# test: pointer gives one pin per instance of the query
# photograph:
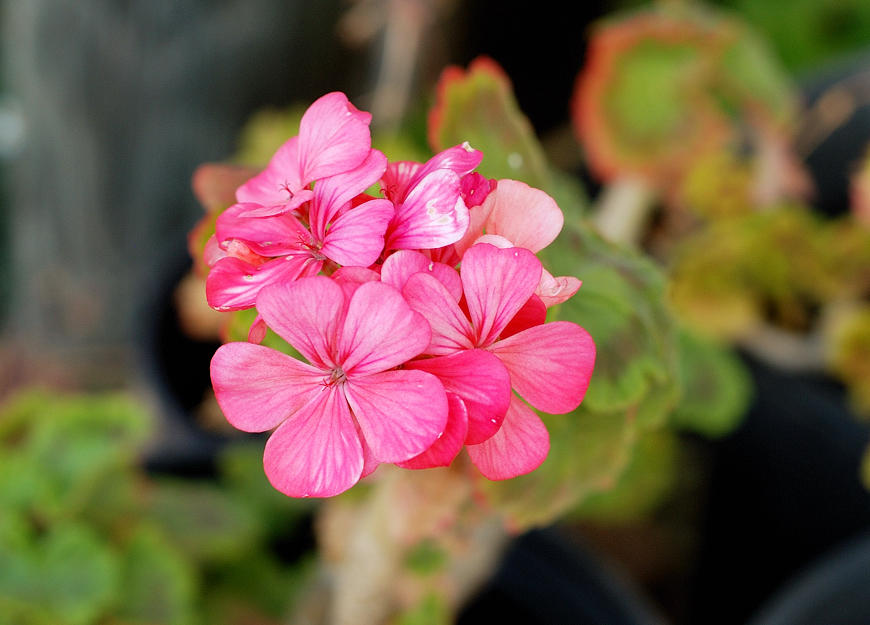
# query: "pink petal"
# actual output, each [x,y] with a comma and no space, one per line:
[380,331]
[275,185]
[451,331]
[397,179]
[475,189]
[270,210]
[401,413]
[334,137]
[448,445]
[357,236]
[550,364]
[258,387]
[554,291]
[331,194]
[477,217]
[496,283]
[460,159]
[317,453]
[257,331]
[267,236]
[350,278]
[433,215]
[212,252]
[403,264]
[306,314]
[519,447]
[525,215]
[233,284]
[533,313]
[480,380]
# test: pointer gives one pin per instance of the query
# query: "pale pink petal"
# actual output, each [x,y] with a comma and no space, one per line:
[307,314]
[477,217]
[533,313]
[403,264]
[495,239]
[233,284]
[496,283]
[212,252]
[401,413]
[258,387]
[550,364]
[451,330]
[334,137]
[350,278]
[525,215]
[267,236]
[480,380]
[333,193]
[519,447]
[276,184]
[448,445]
[433,215]
[317,453]
[215,184]
[554,291]
[380,331]
[357,236]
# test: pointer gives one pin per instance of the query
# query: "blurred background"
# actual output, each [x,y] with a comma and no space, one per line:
[727,143]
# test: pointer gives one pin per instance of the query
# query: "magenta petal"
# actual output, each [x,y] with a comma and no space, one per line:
[258,387]
[401,413]
[533,313]
[380,331]
[357,236]
[525,215]
[403,264]
[318,452]
[497,283]
[519,447]
[306,314]
[554,291]
[451,331]
[550,364]
[233,284]
[480,380]
[448,445]
[267,236]
[276,184]
[334,137]
[397,179]
[333,193]
[460,159]
[432,215]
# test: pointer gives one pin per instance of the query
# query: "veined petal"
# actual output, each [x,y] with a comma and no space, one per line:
[350,279]
[276,184]
[519,447]
[447,446]
[460,159]
[403,264]
[432,215]
[533,313]
[258,387]
[496,283]
[267,236]
[525,215]
[331,194]
[233,284]
[550,364]
[270,210]
[401,413]
[317,453]
[554,291]
[451,330]
[397,179]
[306,314]
[480,380]
[380,331]
[357,236]
[334,137]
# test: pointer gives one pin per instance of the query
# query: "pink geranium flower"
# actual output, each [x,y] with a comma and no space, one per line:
[347,408]
[549,364]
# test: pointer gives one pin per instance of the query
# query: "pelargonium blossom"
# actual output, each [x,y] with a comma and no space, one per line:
[346,409]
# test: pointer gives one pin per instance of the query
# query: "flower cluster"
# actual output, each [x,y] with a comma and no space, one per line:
[420,313]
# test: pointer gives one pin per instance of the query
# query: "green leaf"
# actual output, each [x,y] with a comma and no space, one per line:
[425,558]
[203,521]
[157,584]
[716,387]
[431,610]
[588,453]
[650,476]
